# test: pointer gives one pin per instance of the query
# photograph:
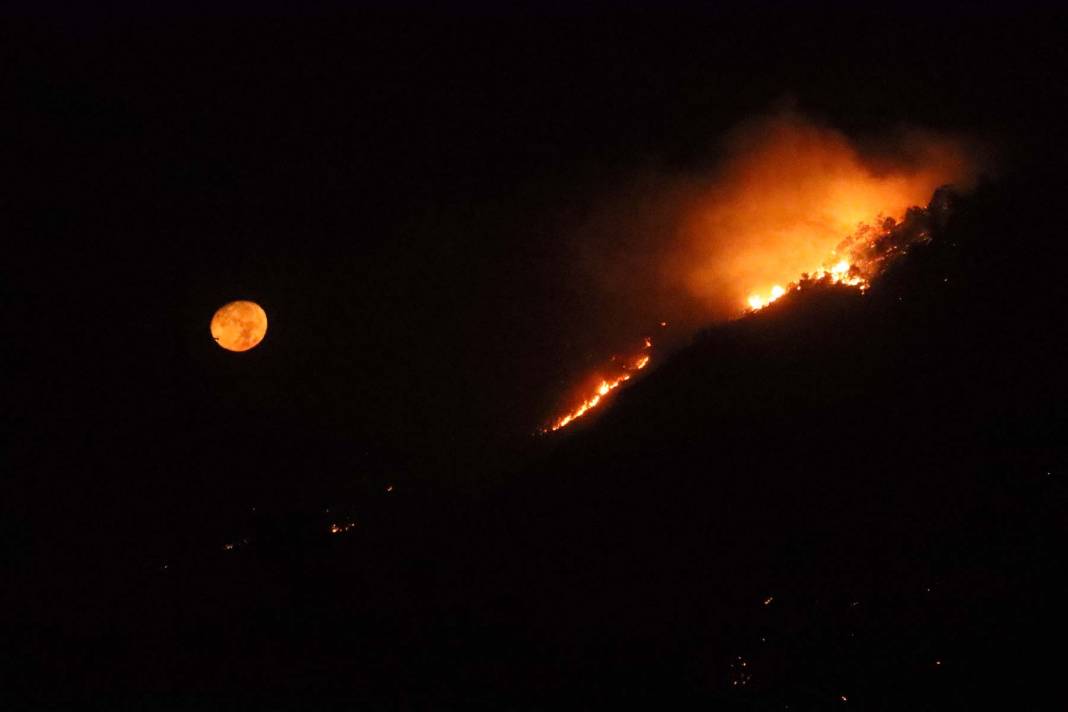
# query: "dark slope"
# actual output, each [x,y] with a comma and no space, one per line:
[853,495]
[888,467]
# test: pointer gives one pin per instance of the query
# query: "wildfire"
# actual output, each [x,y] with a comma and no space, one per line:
[869,250]
[769,221]
[840,273]
[630,366]
[858,259]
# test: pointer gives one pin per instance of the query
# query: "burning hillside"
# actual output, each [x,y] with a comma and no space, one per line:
[791,205]
[857,259]
[862,256]
[796,199]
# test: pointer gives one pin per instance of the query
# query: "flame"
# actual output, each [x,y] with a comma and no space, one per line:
[870,249]
[630,366]
[840,273]
[758,302]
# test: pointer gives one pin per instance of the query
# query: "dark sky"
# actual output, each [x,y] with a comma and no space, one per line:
[401,192]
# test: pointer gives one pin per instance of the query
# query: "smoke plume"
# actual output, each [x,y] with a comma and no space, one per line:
[786,193]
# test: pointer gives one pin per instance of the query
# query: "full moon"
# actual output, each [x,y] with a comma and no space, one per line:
[239,326]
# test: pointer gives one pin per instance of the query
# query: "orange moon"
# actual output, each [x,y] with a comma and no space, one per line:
[239,326]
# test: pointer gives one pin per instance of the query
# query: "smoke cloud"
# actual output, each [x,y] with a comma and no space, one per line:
[786,193]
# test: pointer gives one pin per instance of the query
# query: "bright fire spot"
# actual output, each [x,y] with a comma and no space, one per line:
[230,546]
[630,366]
[840,273]
[341,528]
[758,302]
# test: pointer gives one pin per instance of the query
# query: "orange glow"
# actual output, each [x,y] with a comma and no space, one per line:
[342,527]
[788,194]
[629,367]
[868,251]
[840,273]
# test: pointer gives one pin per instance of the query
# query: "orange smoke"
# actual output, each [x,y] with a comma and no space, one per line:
[787,196]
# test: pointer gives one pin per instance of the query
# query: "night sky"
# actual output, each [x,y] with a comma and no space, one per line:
[452,218]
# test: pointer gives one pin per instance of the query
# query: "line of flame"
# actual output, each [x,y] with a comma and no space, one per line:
[841,273]
[606,386]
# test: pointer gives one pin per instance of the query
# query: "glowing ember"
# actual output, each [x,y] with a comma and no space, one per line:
[341,528]
[740,674]
[630,366]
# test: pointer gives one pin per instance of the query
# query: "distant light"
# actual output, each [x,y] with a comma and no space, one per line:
[336,528]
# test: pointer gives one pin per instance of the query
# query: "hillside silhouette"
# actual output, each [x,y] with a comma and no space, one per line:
[881,468]
[845,498]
